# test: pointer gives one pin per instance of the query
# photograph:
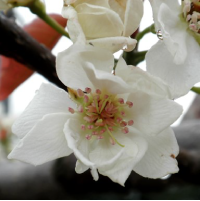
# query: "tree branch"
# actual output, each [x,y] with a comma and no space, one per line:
[19,45]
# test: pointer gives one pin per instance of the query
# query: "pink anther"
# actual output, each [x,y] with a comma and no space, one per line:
[80,93]
[100,137]
[121,100]
[129,103]
[80,108]
[123,124]
[130,122]
[98,91]
[87,90]
[83,127]
[125,130]
[71,110]
[88,137]
[90,127]
[86,99]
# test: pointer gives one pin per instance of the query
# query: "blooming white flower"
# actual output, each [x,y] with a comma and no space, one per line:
[104,23]
[175,59]
[113,124]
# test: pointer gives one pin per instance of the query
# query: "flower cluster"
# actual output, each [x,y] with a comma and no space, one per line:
[104,23]
[115,118]
[175,58]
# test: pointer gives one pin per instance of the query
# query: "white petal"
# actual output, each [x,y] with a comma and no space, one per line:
[80,167]
[111,160]
[119,7]
[87,66]
[133,16]
[48,99]
[77,142]
[152,114]
[114,44]
[141,80]
[104,153]
[159,159]
[103,3]
[95,174]
[180,78]
[74,27]
[174,32]
[80,145]
[99,22]
[134,150]
[155,4]
[69,1]
[44,142]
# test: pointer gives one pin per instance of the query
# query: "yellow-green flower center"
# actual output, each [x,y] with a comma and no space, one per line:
[102,114]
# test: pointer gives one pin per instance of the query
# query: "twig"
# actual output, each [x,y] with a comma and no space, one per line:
[17,44]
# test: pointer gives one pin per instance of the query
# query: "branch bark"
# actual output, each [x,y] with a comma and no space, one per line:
[17,44]
[23,181]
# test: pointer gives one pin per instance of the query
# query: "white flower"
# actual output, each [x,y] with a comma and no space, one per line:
[175,59]
[104,23]
[119,123]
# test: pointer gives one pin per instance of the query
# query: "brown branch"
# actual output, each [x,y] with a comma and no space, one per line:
[19,45]
[189,165]
[58,180]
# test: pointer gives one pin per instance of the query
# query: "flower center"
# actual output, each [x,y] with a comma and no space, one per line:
[102,114]
[191,12]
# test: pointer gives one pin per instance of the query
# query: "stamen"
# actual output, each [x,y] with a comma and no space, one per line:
[100,137]
[119,119]
[103,114]
[90,127]
[98,91]
[191,13]
[87,90]
[71,110]
[111,135]
[188,18]
[122,113]
[88,119]
[88,137]
[80,108]
[129,103]
[83,127]
[112,141]
[86,99]
[80,93]
[123,124]
[193,27]
[95,133]
[96,104]
[102,131]
[121,100]
[130,123]
[110,128]
[103,105]
[125,130]
[194,18]
[99,122]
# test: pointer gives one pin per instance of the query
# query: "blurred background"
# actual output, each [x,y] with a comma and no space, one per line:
[58,180]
